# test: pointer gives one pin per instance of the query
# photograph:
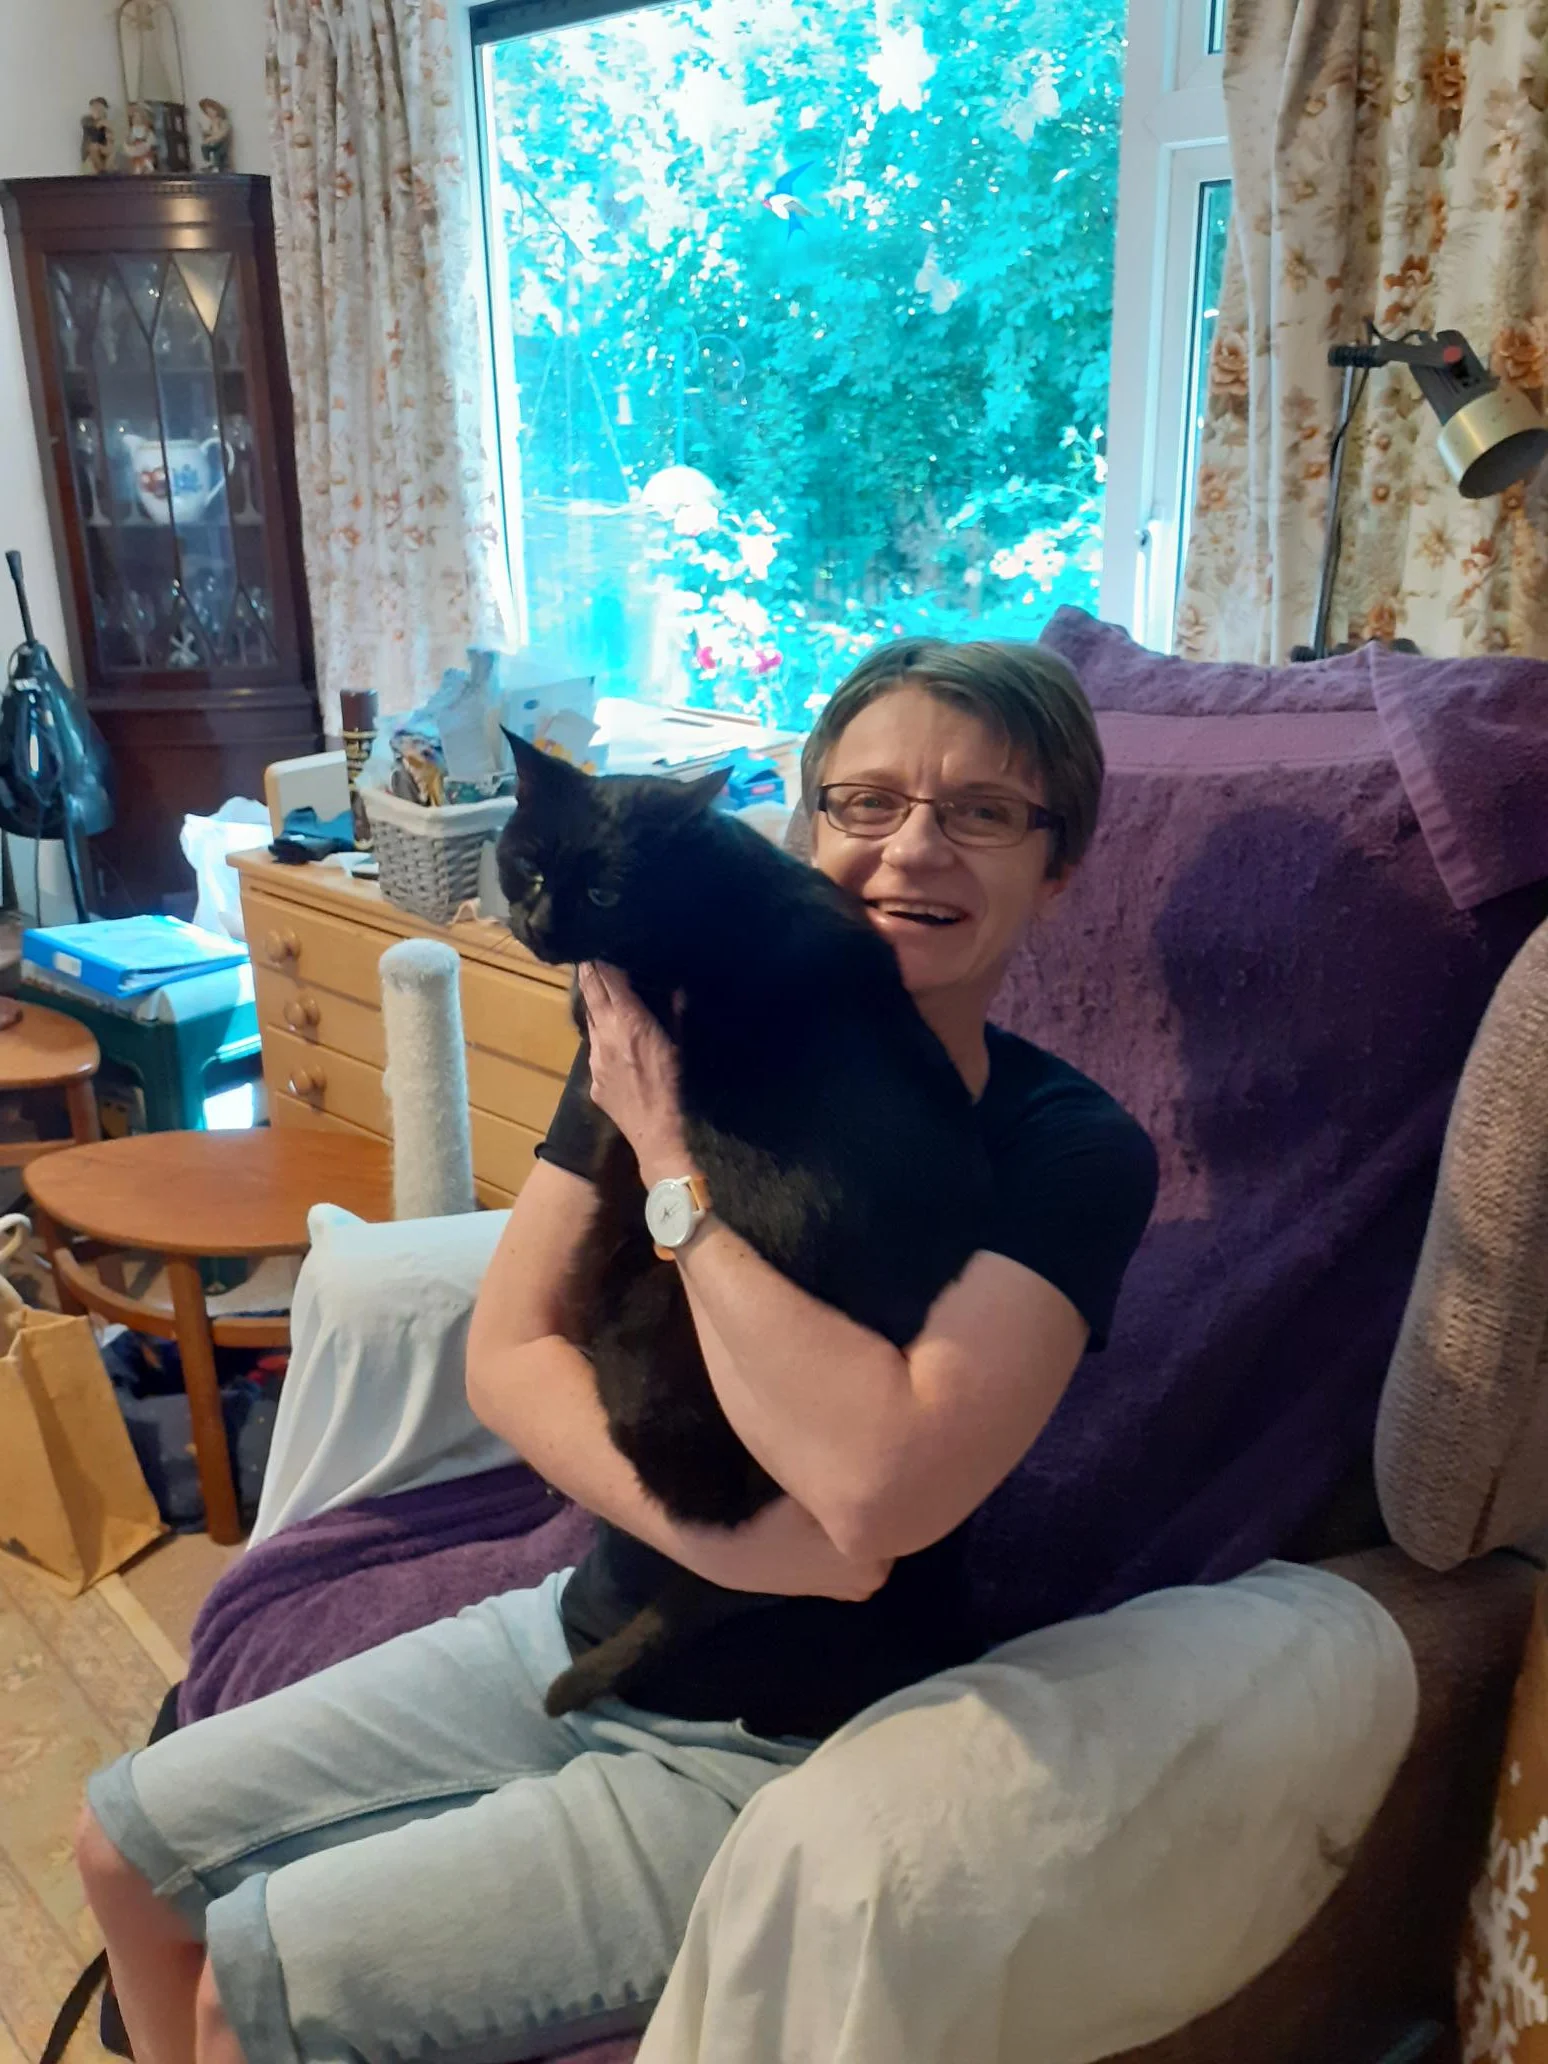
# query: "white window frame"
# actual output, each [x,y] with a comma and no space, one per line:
[1173,146]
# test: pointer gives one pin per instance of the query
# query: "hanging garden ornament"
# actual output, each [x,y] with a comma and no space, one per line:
[688,499]
[150,51]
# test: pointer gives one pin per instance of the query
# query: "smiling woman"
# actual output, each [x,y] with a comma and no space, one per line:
[955,789]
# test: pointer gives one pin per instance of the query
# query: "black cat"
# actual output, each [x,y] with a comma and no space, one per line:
[834,1134]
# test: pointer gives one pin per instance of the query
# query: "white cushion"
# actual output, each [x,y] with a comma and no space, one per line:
[376,1396]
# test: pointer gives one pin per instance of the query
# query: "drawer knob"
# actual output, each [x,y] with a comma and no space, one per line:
[281,946]
[302,1013]
[306,1082]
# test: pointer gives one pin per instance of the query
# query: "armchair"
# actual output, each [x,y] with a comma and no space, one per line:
[1267,958]
[1463,1476]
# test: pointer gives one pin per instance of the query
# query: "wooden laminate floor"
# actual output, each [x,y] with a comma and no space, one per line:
[80,1680]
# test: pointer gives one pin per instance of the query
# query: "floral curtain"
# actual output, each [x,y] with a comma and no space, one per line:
[1389,162]
[375,228]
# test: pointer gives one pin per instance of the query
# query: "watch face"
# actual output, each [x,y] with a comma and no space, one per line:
[669,1213]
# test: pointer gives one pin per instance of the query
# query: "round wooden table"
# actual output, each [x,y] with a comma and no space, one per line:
[43,1049]
[188,1196]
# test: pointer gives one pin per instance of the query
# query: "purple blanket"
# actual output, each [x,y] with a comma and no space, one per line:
[369,1572]
[1260,959]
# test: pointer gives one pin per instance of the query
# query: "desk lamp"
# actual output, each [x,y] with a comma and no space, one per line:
[1490,436]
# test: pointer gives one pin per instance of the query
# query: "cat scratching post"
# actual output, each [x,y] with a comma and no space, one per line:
[426,1081]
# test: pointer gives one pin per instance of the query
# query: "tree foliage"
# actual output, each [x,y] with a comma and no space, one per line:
[849,262]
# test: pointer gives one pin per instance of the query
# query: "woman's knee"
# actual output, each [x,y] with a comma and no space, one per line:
[125,1902]
[105,1870]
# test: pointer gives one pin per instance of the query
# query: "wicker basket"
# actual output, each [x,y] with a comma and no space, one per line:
[429,859]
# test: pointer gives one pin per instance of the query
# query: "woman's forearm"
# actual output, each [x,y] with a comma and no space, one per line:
[542,1398]
[823,1403]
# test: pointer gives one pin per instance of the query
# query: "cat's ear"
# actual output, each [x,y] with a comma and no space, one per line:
[698,795]
[537,772]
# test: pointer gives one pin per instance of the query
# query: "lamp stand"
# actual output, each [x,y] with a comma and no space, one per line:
[1332,530]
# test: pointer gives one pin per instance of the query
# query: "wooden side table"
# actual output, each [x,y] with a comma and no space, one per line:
[43,1049]
[188,1196]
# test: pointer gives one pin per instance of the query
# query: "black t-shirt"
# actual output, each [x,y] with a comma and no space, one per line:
[1075,1180]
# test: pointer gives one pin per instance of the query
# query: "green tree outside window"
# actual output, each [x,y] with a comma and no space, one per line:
[809,309]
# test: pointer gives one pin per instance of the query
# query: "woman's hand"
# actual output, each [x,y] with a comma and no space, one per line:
[634,1073]
[781,1550]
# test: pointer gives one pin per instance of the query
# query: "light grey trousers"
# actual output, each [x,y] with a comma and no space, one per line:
[404,1858]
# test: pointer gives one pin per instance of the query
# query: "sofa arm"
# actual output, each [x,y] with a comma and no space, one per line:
[1380,1956]
[1462,1435]
[375,1399]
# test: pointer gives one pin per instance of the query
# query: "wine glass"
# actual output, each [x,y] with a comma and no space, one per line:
[88,445]
[239,433]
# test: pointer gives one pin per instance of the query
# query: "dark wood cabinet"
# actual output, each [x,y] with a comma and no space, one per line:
[151,325]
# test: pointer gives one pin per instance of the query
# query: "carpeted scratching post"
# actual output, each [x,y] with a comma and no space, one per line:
[426,1081]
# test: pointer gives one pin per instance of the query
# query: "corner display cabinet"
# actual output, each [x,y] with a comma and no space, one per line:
[150,321]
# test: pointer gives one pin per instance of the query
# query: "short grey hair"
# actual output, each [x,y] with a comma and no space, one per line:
[1023,692]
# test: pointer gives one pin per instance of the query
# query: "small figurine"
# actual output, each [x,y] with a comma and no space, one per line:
[214,136]
[97,145]
[140,139]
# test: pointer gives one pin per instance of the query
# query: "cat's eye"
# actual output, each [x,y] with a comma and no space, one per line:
[604,899]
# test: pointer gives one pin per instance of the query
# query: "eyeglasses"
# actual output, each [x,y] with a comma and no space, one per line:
[967,820]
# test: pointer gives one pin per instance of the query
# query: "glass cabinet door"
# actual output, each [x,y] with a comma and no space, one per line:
[152,363]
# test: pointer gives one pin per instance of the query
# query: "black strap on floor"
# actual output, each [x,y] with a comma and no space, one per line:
[71,2014]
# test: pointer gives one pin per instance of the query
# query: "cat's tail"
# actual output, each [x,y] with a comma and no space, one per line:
[598,1673]
[686,1606]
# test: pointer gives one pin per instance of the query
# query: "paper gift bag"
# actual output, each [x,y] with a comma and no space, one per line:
[1502,1984]
[72,1498]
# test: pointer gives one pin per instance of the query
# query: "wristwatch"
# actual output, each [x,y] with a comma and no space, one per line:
[675,1208]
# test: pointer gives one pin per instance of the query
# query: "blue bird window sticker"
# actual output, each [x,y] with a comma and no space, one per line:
[785,204]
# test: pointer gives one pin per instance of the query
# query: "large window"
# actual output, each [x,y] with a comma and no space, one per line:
[802,312]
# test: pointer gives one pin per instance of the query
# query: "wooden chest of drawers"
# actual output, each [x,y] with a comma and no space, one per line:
[316,938]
